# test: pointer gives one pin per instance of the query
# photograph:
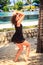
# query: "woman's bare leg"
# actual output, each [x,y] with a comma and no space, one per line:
[27,49]
[20,46]
[25,43]
[19,51]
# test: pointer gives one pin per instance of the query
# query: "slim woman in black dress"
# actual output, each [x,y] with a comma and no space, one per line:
[18,36]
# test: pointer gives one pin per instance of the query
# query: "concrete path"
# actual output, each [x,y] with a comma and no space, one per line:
[8,51]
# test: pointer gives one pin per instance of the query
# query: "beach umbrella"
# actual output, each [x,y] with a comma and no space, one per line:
[0,5]
[35,4]
[25,4]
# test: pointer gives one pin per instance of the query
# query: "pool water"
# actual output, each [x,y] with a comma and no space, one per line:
[5,17]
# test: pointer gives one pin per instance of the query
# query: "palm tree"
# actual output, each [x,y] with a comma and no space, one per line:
[40,29]
[29,1]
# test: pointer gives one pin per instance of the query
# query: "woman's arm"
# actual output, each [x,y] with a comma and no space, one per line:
[19,18]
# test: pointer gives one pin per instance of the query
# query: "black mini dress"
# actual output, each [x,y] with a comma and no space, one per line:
[18,35]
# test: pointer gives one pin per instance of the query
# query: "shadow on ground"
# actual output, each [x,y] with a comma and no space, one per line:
[8,51]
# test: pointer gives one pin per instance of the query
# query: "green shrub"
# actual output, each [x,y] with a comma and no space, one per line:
[6,29]
[11,7]
[5,8]
[28,8]
[18,5]
[32,7]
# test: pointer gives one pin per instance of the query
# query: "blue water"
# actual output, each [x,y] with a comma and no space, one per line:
[5,17]
[31,12]
[5,14]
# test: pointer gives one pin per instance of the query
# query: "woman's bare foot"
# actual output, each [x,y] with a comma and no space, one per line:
[25,57]
[15,60]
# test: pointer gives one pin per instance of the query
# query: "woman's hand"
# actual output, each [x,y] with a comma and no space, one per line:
[19,18]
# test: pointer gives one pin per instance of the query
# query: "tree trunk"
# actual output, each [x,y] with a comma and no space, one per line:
[40,29]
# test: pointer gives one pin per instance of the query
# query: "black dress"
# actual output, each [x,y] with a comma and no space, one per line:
[18,36]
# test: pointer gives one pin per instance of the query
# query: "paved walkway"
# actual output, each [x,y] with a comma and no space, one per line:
[8,51]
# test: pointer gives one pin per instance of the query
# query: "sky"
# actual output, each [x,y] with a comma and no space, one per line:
[16,1]
[12,1]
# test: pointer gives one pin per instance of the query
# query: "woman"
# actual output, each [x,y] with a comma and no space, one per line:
[18,36]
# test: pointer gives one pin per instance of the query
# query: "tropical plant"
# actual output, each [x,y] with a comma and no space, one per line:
[18,5]
[29,1]
[4,3]
[32,7]
[11,7]
[5,8]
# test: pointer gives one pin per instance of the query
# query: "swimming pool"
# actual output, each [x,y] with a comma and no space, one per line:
[5,17]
